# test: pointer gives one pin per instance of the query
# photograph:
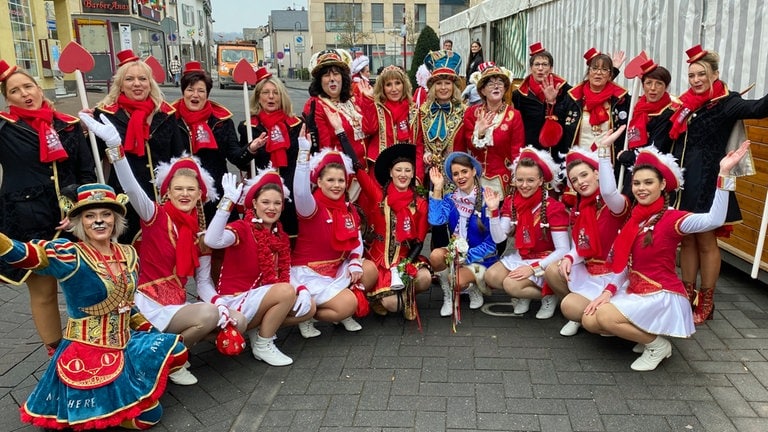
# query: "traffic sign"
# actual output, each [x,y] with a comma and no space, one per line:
[279,55]
[298,41]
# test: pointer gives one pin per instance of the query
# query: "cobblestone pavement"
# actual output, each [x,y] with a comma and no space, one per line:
[494,373]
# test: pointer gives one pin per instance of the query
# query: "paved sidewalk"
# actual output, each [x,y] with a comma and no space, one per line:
[494,373]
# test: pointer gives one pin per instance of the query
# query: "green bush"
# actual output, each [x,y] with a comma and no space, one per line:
[427,41]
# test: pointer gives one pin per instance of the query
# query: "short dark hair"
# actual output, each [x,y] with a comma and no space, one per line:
[447,41]
[544,54]
[660,73]
[191,78]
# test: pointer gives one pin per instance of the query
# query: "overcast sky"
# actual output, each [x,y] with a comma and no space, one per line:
[232,16]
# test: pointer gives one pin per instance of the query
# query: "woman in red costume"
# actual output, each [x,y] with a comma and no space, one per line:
[331,87]
[540,226]
[387,111]
[580,276]
[147,127]
[361,71]
[701,127]
[493,131]
[328,257]
[260,290]
[171,250]
[646,300]
[275,131]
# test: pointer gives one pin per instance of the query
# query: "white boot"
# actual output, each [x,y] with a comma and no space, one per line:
[475,296]
[307,329]
[653,354]
[548,307]
[522,306]
[447,308]
[183,376]
[264,349]
[570,328]
[351,325]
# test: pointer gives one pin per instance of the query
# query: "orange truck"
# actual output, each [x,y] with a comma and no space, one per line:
[227,56]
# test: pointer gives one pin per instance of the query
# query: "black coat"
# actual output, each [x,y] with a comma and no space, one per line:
[700,149]
[532,111]
[262,158]
[29,195]
[215,160]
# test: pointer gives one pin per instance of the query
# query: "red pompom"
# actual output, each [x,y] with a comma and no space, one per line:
[550,133]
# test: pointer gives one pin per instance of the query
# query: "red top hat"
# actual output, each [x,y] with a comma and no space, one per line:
[648,67]
[262,74]
[266,178]
[695,53]
[6,70]
[193,66]
[126,56]
[535,49]
[590,54]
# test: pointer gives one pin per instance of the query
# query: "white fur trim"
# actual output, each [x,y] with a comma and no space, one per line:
[422,76]
[163,168]
[314,161]
[547,159]
[248,184]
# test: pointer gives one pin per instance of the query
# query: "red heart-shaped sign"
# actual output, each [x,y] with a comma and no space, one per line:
[634,68]
[158,73]
[74,57]
[244,73]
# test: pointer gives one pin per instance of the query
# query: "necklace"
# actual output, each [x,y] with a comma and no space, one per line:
[497,111]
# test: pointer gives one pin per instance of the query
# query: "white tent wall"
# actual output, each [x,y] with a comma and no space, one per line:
[663,28]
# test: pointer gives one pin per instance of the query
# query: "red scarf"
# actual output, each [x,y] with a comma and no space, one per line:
[399,111]
[594,103]
[638,127]
[400,202]
[346,222]
[274,252]
[41,121]
[622,246]
[690,103]
[586,233]
[525,239]
[200,134]
[137,134]
[534,86]
[186,250]
[278,139]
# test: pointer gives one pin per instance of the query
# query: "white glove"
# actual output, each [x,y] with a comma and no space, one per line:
[104,130]
[232,189]
[224,317]
[397,282]
[304,144]
[303,303]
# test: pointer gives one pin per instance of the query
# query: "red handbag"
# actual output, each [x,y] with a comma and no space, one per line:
[230,341]
[552,131]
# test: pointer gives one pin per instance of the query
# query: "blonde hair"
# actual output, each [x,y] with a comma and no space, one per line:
[455,97]
[78,230]
[4,85]
[391,73]
[117,85]
[285,101]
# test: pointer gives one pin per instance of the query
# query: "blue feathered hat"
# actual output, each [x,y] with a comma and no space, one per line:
[443,64]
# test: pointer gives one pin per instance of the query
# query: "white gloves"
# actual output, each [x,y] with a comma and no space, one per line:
[303,303]
[396,283]
[304,144]
[232,189]
[104,130]
[224,317]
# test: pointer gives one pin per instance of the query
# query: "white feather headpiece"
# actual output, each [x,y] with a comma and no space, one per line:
[545,163]
[317,159]
[164,168]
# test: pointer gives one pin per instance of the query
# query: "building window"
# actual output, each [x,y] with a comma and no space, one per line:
[340,17]
[377,17]
[398,9]
[188,15]
[23,36]
[419,17]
